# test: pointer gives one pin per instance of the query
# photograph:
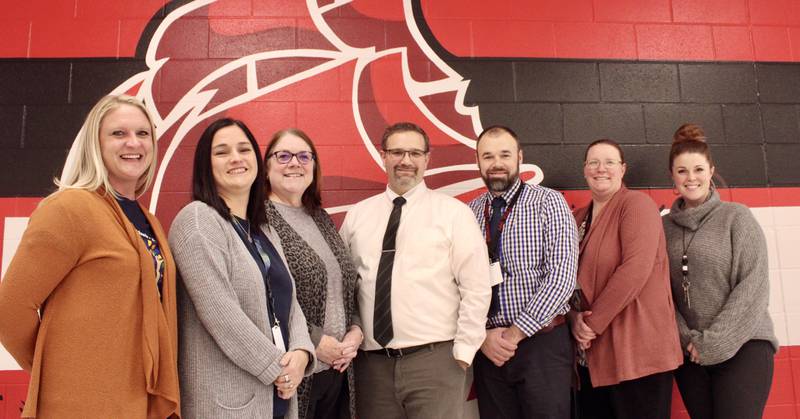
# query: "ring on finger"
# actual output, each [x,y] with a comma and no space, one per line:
[286,378]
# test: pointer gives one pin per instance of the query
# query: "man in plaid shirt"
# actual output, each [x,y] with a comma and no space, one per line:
[524,368]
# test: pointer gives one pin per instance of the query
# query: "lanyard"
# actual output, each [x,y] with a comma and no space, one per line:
[509,207]
[252,243]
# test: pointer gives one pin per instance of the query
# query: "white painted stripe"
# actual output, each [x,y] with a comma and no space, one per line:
[12,234]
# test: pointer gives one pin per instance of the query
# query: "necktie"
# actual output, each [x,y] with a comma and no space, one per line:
[382,315]
[494,225]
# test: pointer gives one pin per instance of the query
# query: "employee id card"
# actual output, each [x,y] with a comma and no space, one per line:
[495,273]
[277,337]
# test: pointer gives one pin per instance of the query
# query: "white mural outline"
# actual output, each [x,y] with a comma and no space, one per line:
[191,108]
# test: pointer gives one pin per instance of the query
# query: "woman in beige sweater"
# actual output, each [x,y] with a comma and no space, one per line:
[87,305]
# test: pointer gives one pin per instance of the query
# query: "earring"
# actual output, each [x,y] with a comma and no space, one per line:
[675,190]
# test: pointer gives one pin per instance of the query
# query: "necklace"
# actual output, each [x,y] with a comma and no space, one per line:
[685,282]
[242,229]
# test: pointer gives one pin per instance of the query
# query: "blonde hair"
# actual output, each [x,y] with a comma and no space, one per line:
[84,168]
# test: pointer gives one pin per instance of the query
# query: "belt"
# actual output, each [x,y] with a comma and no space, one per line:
[557,321]
[399,353]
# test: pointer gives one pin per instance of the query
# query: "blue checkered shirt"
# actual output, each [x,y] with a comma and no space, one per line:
[539,255]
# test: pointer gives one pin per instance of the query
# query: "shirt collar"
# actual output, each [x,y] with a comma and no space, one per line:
[411,196]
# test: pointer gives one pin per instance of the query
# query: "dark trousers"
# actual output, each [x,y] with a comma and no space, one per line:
[648,397]
[329,396]
[734,389]
[533,384]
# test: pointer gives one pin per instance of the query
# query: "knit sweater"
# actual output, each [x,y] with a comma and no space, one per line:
[729,291]
[228,360]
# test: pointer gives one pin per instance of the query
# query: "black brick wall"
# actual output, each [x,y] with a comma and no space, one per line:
[42,106]
[750,111]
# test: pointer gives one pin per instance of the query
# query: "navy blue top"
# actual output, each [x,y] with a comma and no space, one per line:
[278,284]
[139,220]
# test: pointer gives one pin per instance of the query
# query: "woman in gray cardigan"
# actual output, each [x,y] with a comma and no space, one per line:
[720,283]
[244,347]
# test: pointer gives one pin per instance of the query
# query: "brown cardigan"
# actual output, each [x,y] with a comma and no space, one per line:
[105,346]
[624,274]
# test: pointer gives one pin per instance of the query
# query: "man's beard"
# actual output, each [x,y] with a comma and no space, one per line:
[495,184]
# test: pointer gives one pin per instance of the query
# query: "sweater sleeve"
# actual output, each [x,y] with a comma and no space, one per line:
[639,230]
[196,240]
[298,336]
[683,330]
[739,318]
[51,247]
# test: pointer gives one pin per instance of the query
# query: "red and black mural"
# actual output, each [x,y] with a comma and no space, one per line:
[562,74]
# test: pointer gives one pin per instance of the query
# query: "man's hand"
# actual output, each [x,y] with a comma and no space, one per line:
[514,334]
[294,364]
[497,348]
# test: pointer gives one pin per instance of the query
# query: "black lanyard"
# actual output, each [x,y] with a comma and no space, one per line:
[509,207]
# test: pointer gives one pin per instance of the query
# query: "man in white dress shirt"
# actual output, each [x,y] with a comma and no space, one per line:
[424,291]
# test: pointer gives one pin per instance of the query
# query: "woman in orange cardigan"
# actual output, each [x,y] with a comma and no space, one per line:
[87,305]
[624,320]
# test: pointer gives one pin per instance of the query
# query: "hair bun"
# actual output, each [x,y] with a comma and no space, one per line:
[689,132]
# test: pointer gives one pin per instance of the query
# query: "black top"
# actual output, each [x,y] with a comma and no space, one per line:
[278,284]
[136,216]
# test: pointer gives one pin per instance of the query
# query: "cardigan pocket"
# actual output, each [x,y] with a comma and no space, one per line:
[236,401]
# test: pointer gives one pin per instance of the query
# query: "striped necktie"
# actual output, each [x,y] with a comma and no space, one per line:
[382,315]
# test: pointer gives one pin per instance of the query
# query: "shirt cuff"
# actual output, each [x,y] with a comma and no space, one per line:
[464,353]
[527,324]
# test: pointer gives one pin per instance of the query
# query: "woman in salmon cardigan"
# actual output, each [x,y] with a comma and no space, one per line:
[87,305]
[623,318]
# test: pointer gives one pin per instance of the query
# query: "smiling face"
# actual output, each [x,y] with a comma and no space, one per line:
[692,175]
[406,172]
[498,159]
[126,145]
[288,181]
[603,171]
[233,162]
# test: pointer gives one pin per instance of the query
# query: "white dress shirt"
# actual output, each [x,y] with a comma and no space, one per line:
[440,279]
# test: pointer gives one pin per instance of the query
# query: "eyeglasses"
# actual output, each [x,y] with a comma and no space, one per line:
[399,153]
[609,164]
[284,157]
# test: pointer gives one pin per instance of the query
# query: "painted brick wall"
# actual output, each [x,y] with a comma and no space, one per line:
[562,73]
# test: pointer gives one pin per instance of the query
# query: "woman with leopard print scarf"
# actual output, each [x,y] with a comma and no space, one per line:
[324,274]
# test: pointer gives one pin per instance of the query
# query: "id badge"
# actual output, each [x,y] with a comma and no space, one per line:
[277,337]
[495,273]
